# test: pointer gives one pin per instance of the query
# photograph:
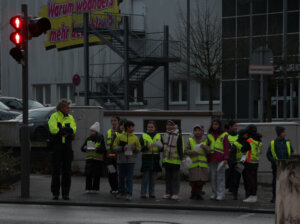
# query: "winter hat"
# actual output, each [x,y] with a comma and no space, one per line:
[171,122]
[242,132]
[95,127]
[279,130]
[198,126]
[251,129]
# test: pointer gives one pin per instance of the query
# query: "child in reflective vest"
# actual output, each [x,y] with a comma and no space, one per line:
[198,151]
[95,150]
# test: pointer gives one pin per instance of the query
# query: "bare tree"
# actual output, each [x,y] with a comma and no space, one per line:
[205,48]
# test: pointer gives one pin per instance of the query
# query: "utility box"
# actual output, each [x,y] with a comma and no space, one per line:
[288,191]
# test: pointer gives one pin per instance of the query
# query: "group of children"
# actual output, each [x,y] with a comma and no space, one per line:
[225,154]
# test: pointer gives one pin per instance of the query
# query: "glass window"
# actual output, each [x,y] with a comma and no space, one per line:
[258,42]
[243,26]
[228,50]
[259,25]
[259,6]
[275,5]
[242,69]
[72,93]
[293,22]
[275,23]
[39,96]
[228,8]
[243,7]
[243,48]
[293,44]
[242,97]
[228,69]
[293,5]
[63,91]
[228,27]
[178,91]
[175,91]
[204,91]
[275,44]
[228,100]
[183,91]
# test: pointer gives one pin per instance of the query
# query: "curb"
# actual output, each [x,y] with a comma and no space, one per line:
[144,206]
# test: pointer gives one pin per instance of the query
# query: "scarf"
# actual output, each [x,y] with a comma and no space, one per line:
[170,141]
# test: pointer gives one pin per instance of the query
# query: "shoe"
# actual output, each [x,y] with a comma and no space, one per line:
[250,199]
[143,196]
[193,197]
[55,198]
[128,198]
[220,198]
[166,196]
[235,197]
[273,200]
[87,191]
[95,192]
[213,197]
[114,192]
[203,193]
[67,198]
[151,196]
[199,197]
[175,197]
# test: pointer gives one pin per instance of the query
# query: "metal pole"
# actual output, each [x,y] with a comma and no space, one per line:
[25,142]
[250,97]
[262,88]
[86,57]
[284,60]
[188,89]
[126,64]
[166,68]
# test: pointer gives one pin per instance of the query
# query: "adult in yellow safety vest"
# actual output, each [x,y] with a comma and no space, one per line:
[62,127]
[279,149]
[197,149]
[152,145]
[95,150]
[173,154]
[251,163]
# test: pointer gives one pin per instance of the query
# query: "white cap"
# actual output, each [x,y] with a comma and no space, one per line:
[95,127]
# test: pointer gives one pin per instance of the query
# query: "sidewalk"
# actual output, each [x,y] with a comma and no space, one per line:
[40,194]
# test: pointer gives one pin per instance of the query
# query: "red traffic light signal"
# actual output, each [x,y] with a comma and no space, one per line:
[17,38]
[17,22]
[37,26]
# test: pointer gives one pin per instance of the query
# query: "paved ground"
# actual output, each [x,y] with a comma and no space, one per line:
[40,194]
[37,214]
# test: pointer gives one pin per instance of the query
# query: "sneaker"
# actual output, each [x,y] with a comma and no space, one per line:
[66,197]
[143,196]
[175,197]
[220,198]
[193,197]
[250,199]
[114,192]
[166,196]
[55,198]
[213,197]
[95,192]
[128,198]
[151,196]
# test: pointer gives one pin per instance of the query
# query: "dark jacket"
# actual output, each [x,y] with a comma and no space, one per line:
[150,162]
[232,154]
[96,138]
[280,150]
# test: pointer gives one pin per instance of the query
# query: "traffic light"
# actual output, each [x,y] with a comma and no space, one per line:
[37,26]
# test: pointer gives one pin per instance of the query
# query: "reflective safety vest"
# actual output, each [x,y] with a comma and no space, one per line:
[239,153]
[253,155]
[59,117]
[109,138]
[92,154]
[199,160]
[232,139]
[148,141]
[217,145]
[288,145]
[174,157]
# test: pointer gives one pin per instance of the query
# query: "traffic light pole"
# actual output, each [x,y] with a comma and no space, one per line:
[25,143]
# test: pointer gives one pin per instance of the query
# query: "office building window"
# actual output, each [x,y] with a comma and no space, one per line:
[243,7]
[178,90]
[66,91]
[275,23]
[136,94]
[228,69]
[42,94]
[228,8]
[243,24]
[259,25]
[293,5]
[228,27]
[275,5]
[243,46]
[204,92]
[259,6]
[293,22]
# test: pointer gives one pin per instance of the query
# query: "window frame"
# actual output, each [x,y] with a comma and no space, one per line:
[180,101]
[206,102]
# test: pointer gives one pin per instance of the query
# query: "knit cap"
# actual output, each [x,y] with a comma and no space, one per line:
[95,127]
[279,130]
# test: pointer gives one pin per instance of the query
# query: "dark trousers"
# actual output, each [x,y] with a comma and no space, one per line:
[250,181]
[172,180]
[62,156]
[229,175]
[113,177]
[235,182]
[93,171]
[197,187]
[274,172]
[126,171]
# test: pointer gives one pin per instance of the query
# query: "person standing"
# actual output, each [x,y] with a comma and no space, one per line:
[251,163]
[94,147]
[232,137]
[127,146]
[151,143]
[173,154]
[219,153]
[111,157]
[198,151]
[62,127]
[279,149]
[235,164]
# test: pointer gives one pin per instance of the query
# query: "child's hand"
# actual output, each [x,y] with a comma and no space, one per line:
[85,148]
[149,146]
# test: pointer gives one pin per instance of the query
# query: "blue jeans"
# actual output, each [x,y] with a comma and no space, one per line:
[126,178]
[148,179]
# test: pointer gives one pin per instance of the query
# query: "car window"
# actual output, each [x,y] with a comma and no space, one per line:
[34,104]
[37,114]
[14,104]
[3,106]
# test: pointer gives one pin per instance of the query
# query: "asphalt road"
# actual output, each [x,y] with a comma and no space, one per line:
[37,214]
